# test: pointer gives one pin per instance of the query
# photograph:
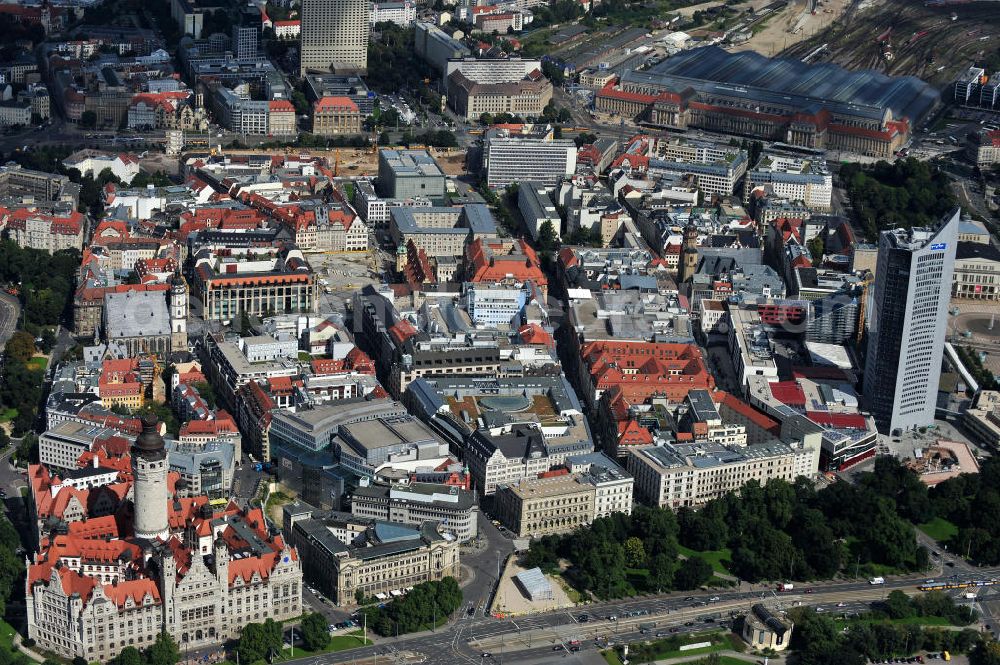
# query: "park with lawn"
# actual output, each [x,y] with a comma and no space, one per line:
[677,646]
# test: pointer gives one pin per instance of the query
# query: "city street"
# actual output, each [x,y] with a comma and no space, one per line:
[10,309]
[469,637]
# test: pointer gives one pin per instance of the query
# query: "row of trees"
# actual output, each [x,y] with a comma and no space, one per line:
[969,501]
[983,376]
[259,642]
[621,555]
[22,383]
[898,605]
[820,641]
[164,651]
[902,194]
[425,603]
[46,282]
[972,503]
[776,531]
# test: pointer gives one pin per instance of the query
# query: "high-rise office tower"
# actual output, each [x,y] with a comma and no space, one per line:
[334,36]
[245,41]
[908,323]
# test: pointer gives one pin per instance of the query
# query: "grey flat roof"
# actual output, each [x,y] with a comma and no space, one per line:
[789,82]
[136,314]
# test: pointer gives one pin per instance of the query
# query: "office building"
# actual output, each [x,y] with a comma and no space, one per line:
[31,228]
[532,156]
[692,474]
[244,42]
[441,231]
[437,47]
[715,169]
[334,36]
[344,555]
[537,208]
[525,96]
[264,280]
[509,452]
[415,503]
[559,501]
[793,179]
[60,447]
[406,174]
[403,13]
[333,116]
[908,322]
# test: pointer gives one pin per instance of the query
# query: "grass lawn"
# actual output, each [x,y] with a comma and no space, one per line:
[6,635]
[8,415]
[38,363]
[337,643]
[571,593]
[670,647]
[939,529]
[612,657]
[714,557]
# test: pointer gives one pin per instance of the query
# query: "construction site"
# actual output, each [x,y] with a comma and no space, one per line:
[934,40]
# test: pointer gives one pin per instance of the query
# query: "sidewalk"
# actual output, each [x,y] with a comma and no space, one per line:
[729,654]
[30,653]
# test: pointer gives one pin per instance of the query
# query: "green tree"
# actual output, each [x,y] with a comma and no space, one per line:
[128,656]
[817,247]
[164,651]
[635,553]
[897,605]
[692,573]
[485,118]
[986,652]
[88,120]
[20,347]
[547,240]
[315,631]
[48,339]
[258,641]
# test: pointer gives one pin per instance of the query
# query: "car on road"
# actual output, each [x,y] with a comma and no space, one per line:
[810,590]
[674,629]
[689,623]
[558,647]
[714,599]
[583,618]
[841,604]
[612,617]
[689,598]
[486,654]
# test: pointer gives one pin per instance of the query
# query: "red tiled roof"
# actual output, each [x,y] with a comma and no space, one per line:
[335,104]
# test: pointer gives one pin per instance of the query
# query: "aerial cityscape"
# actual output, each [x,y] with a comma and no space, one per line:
[592,332]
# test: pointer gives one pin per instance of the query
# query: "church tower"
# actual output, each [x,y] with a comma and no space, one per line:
[149,489]
[689,254]
[402,259]
[178,313]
